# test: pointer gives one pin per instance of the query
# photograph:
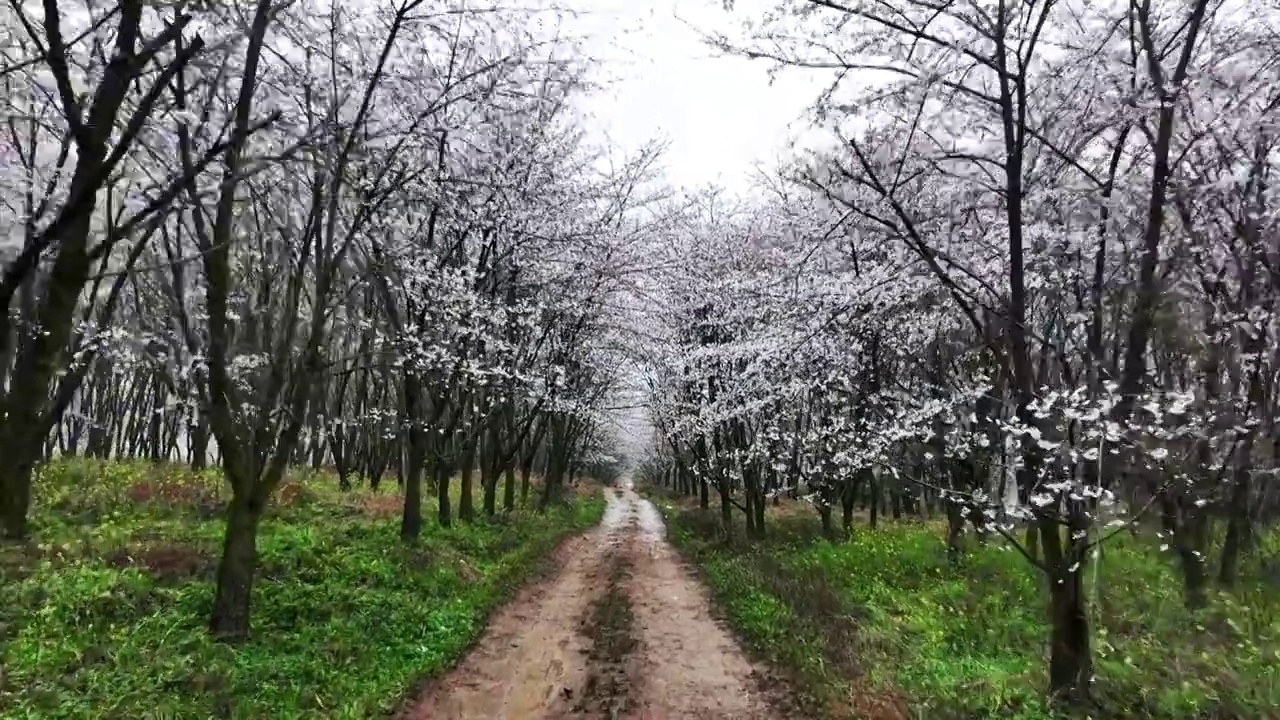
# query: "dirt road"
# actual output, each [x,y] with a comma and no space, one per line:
[621,630]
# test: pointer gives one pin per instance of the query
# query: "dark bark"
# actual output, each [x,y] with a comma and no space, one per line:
[199,443]
[1070,656]
[873,499]
[442,492]
[491,471]
[1032,541]
[760,531]
[25,404]
[726,507]
[955,527]
[15,499]
[509,489]
[526,469]
[466,507]
[236,570]
[847,499]
[1238,525]
[411,513]
[1188,530]
[1148,292]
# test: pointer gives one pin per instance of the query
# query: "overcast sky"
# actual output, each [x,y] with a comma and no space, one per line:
[720,115]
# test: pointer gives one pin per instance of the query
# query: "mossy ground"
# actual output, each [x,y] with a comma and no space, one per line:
[104,612]
[883,626]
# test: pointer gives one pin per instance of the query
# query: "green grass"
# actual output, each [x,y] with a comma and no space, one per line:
[104,614]
[884,626]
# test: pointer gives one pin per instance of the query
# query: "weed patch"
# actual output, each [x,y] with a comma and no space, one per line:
[883,626]
[104,614]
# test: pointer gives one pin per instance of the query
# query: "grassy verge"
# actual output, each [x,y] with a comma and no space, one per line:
[104,616]
[882,626]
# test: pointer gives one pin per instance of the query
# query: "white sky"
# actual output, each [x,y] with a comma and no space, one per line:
[719,115]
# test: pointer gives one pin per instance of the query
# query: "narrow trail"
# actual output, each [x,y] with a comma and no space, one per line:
[620,631]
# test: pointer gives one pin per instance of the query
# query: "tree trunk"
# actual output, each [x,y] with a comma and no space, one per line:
[556,469]
[1070,656]
[199,444]
[1070,661]
[955,526]
[1188,529]
[509,490]
[411,514]
[230,619]
[726,508]
[1237,523]
[873,492]
[1194,578]
[828,528]
[155,443]
[466,508]
[491,460]
[526,469]
[15,501]
[847,499]
[760,532]
[490,472]
[442,492]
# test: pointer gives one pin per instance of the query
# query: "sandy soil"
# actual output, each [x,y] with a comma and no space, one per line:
[620,631]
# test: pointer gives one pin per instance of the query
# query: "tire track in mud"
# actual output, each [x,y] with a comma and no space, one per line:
[622,631]
[689,666]
[530,661]
[610,628]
